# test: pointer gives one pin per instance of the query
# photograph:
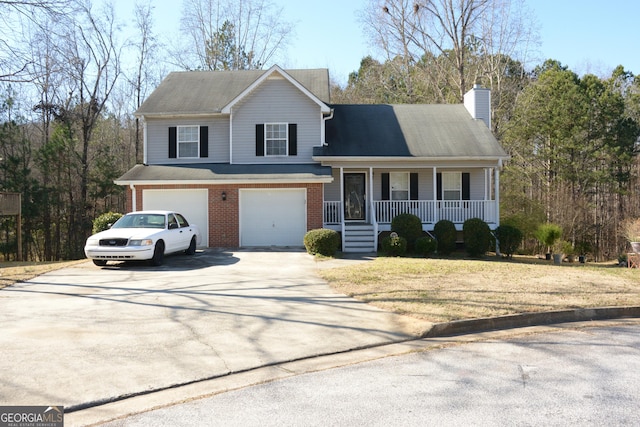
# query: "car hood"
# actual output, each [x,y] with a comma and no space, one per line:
[127,233]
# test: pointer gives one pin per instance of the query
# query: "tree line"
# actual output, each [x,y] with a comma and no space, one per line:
[70,83]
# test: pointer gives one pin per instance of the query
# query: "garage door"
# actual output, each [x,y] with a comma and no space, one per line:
[273,217]
[190,203]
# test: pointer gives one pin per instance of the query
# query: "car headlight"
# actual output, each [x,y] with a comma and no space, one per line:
[141,242]
[92,242]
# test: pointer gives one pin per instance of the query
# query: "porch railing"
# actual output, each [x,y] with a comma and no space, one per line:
[432,211]
[429,211]
[332,212]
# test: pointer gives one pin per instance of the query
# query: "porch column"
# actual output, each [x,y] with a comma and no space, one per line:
[435,195]
[371,206]
[342,204]
[496,182]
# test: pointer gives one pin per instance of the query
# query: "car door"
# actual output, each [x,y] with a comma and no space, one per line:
[183,236]
[172,235]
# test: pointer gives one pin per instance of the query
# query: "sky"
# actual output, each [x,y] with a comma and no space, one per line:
[588,36]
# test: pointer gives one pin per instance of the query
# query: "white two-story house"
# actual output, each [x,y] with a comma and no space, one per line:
[257,158]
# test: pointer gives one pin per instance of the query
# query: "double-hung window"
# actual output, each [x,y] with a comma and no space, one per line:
[276,139]
[188,141]
[451,185]
[399,185]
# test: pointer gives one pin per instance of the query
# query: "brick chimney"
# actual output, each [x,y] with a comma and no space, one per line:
[478,103]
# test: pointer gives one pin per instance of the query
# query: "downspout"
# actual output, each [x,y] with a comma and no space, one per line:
[323,132]
[133,197]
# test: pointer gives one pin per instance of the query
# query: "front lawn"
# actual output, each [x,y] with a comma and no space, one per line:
[442,290]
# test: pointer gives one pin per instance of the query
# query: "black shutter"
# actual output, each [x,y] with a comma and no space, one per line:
[385,186]
[204,141]
[413,186]
[173,142]
[293,139]
[466,186]
[439,186]
[260,140]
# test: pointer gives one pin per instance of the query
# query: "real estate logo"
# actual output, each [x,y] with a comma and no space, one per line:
[31,416]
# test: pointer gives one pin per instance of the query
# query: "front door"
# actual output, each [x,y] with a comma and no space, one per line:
[354,196]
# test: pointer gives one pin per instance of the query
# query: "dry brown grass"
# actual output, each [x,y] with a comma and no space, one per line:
[439,290]
[12,272]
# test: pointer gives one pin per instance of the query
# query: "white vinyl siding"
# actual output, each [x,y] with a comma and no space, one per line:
[275,101]
[158,140]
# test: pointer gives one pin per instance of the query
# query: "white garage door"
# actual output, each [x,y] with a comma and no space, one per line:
[190,203]
[273,217]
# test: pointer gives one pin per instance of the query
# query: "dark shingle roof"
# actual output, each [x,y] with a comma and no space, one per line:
[206,92]
[217,172]
[408,130]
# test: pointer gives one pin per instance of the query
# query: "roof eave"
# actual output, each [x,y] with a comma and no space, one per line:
[227,181]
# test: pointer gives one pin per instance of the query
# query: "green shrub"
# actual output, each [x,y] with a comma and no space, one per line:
[446,235]
[394,245]
[477,237]
[408,226]
[322,241]
[426,245]
[510,239]
[104,221]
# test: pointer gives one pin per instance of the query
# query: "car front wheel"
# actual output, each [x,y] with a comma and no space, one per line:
[99,262]
[158,254]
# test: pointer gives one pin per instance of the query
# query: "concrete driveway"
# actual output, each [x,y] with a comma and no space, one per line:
[87,335]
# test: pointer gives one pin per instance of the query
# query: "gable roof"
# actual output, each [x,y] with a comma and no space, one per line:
[408,130]
[208,92]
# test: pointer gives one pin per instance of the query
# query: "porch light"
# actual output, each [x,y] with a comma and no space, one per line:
[224,195]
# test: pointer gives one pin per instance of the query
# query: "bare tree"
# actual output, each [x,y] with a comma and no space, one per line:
[16,16]
[91,52]
[146,46]
[451,37]
[231,34]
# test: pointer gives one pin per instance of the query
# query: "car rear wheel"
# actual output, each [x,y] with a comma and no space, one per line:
[99,262]
[158,254]
[192,247]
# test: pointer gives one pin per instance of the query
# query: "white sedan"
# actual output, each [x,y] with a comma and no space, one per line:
[144,235]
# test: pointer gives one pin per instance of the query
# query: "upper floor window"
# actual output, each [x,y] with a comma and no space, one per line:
[275,139]
[188,140]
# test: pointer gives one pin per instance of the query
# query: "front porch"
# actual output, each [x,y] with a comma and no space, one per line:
[362,235]
[429,212]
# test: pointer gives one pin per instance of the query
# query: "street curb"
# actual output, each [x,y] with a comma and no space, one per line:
[513,321]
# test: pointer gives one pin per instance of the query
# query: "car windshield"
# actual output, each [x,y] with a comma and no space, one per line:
[141,221]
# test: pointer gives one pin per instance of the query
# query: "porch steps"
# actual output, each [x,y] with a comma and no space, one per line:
[359,238]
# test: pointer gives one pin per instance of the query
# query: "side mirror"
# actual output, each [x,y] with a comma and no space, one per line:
[173,226]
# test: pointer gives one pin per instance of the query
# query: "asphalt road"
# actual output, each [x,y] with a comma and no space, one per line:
[575,376]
